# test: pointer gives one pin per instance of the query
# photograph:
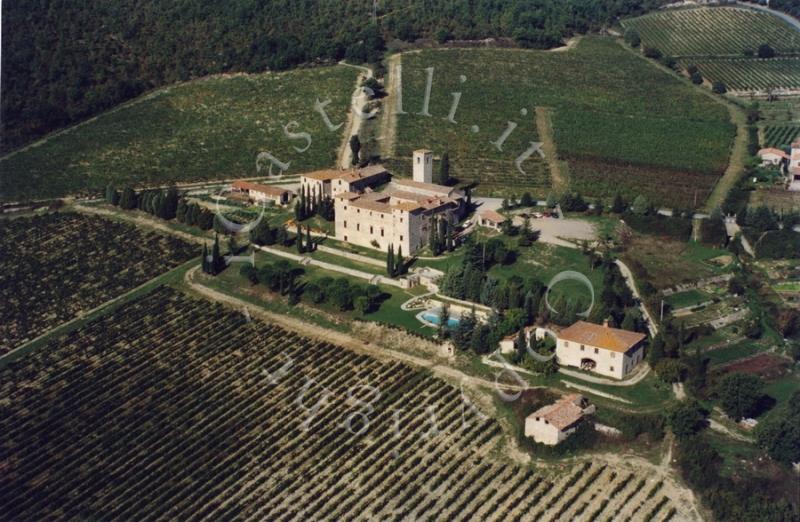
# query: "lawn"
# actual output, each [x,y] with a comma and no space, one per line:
[688,298]
[733,352]
[202,130]
[617,120]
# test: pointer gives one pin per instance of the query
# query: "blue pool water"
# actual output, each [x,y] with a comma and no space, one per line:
[432,316]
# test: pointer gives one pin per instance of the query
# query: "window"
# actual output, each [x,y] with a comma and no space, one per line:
[345,238]
[596,350]
[566,344]
[345,225]
[613,355]
[401,238]
[611,368]
[582,347]
[537,419]
[381,232]
[358,226]
[370,229]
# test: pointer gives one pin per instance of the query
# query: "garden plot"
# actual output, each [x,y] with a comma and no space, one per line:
[189,410]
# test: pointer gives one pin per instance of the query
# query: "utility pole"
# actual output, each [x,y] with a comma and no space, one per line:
[662,311]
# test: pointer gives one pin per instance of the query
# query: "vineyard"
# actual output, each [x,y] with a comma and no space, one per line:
[56,266]
[202,130]
[609,108]
[747,75]
[780,135]
[714,31]
[173,408]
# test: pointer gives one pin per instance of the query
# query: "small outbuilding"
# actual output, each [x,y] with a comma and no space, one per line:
[259,193]
[491,219]
[555,422]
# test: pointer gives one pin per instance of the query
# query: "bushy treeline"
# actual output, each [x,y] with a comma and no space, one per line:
[770,232]
[285,278]
[166,204]
[65,61]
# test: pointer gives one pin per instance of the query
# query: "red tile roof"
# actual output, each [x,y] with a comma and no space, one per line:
[563,413]
[257,187]
[605,337]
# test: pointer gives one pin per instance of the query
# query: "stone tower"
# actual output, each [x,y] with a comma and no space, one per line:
[423,166]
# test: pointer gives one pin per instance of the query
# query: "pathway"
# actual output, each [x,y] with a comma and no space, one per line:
[354,119]
[558,169]
[732,227]
[628,275]
[640,373]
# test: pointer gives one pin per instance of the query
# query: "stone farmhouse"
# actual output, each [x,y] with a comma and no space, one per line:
[771,157]
[601,349]
[555,422]
[399,215]
[260,193]
[794,166]
[333,182]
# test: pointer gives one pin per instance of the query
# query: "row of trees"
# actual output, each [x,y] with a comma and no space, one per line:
[287,279]
[309,205]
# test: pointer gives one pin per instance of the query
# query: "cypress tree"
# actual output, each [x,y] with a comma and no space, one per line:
[216,258]
[205,258]
[299,241]
[309,242]
[400,263]
[444,169]
[432,240]
[390,261]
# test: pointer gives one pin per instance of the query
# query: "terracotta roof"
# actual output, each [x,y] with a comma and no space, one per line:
[323,175]
[423,150]
[347,195]
[408,206]
[600,336]
[257,187]
[770,150]
[492,215]
[430,187]
[377,206]
[563,413]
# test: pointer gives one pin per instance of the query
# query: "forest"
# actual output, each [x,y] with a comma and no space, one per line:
[66,61]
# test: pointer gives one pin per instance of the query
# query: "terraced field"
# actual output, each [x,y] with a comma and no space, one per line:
[56,267]
[713,31]
[203,130]
[616,120]
[741,74]
[174,408]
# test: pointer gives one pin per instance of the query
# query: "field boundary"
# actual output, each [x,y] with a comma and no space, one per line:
[559,169]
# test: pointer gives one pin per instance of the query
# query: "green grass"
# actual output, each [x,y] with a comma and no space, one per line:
[202,130]
[714,31]
[229,281]
[687,298]
[617,119]
[732,352]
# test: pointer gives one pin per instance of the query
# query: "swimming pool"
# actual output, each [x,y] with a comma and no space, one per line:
[432,316]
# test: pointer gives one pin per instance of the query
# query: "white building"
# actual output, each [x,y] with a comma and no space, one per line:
[794,166]
[259,193]
[772,157]
[555,422]
[423,166]
[507,343]
[600,349]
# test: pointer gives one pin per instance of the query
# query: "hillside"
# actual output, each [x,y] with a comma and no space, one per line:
[746,49]
[206,129]
[66,61]
[620,123]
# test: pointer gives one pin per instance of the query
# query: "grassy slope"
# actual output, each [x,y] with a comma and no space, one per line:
[619,122]
[207,129]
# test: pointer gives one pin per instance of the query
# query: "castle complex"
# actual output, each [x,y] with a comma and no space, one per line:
[399,215]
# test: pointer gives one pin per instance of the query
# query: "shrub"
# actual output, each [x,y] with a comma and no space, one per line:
[739,394]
